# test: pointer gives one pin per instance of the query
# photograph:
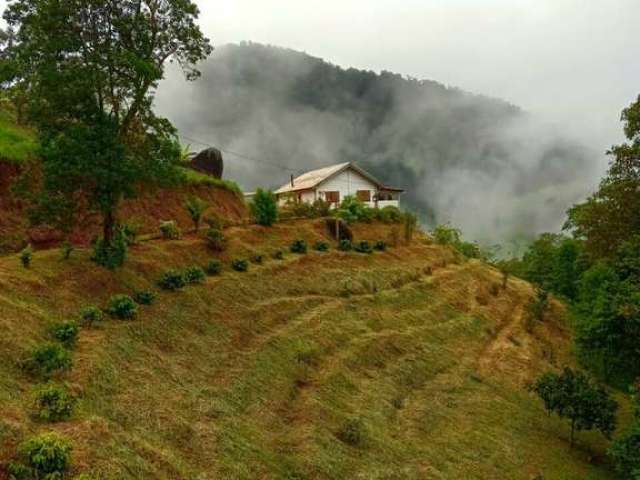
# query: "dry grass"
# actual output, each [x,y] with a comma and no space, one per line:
[252,375]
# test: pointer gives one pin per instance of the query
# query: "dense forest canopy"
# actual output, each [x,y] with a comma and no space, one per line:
[478,162]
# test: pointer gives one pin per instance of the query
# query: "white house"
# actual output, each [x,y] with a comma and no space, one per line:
[332,184]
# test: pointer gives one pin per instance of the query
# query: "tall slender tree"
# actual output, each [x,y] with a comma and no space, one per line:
[90,69]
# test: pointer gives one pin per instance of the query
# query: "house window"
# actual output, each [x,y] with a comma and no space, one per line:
[332,197]
[364,195]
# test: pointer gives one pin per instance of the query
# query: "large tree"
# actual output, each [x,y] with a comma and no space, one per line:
[611,216]
[90,69]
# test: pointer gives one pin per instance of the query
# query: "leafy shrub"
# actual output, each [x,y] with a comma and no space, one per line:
[625,450]
[45,456]
[539,305]
[65,332]
[48,358]
[172,280]
[345,245]
[264,208]
[240,265]
[194,275]
[170,230]
[145,297]
[258,259]
[112,256]
[26,256]
[380,245]
[363,247]
[322,246]
[66,250]
[389,214]
[216,240]
[299,246]
[196,207]
[278,255]
[353,432]
[352,210]
[91,314]
[214,268]
[122,307]
[410,221]
[446,235]
[53,403]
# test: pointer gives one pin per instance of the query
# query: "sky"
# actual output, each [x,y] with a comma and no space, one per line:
[570,62]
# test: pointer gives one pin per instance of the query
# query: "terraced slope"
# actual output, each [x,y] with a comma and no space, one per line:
[255,375]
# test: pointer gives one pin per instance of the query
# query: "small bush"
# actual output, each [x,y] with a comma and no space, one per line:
[214,268]
[363,247]
[258,259]
[345,246]
[170,230]
[48,358]
[194,275]
[353,432]
[264,208]
[145,297]
[278,255]
[216,240]
[112,256]
[26,256]
[196,207]
[240,265]
[380,245]
[91,314]
[299,246]
[390,214]
[172,280]
[46,456]
[66,249]
[65,332]
[322,246]
[446,235]
[131,230]
[122,307]
[53,403]
[410,221]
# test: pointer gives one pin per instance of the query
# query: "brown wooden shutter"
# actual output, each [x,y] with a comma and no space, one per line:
[364,195]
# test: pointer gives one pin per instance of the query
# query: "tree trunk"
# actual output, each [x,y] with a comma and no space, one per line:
[108,227]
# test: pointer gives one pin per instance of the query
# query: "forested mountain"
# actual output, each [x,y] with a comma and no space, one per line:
[478,162]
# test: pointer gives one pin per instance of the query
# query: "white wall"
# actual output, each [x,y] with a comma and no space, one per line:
[347,183]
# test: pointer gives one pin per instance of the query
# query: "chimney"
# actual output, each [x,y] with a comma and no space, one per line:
[292,185]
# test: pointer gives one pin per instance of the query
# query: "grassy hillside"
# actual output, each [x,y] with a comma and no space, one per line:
[17,144]
[255,375]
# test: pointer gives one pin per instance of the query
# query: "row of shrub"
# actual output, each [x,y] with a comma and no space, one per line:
[300,246]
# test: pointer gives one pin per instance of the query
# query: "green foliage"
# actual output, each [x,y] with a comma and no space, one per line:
[240,265]
[446,235]
[196,207]
[363,247]
[322,246]
[352,210]
[47,359]
[91,314]
[26,256]
[172,280]
[264,208]
[353,432]
[214,267]
[625,450]
[194,275]
[94,111]
[538,305]
[45,457]
[469,249]
[298,246]
[410,222]
[112,255]
[122,307]
[130,230]
[170,230]
[66,250]
[380,245]
[216,240]
[65,332]
[388,214]
[192,177]
[53,403]
[345,245]
[17,144]
[145,297]
[573,396]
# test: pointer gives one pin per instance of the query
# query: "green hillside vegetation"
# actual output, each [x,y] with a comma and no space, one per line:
[409,363]
[17,144]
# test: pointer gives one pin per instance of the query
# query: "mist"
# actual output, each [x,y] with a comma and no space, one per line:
[479,163]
